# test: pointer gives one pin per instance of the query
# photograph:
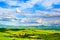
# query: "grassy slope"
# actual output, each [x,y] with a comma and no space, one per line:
[10,34]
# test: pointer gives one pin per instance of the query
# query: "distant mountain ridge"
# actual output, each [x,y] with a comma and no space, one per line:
[39,27]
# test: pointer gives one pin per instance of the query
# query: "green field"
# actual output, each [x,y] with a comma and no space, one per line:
[29,34]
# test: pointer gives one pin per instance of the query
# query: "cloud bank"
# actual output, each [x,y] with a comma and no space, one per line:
[16,11]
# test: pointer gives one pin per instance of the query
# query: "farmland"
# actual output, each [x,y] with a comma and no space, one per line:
[29,34]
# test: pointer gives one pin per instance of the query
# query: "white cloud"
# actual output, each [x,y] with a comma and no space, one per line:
[47,21]
[29,4]
[18,11]
[43,21]
[13,13]
[10,14]
[23,20]
[39,21]
[12,20]
[48,3]
[39,13]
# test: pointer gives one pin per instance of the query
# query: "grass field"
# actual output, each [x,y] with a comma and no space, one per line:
[29,34]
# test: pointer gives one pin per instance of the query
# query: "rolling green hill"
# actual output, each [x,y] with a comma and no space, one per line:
[29,34]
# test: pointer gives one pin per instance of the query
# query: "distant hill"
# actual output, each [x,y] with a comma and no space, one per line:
[36,26]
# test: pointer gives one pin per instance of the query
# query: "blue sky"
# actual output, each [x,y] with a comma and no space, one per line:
[43,12]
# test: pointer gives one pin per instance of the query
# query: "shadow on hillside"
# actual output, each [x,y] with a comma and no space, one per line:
[3,30]
[7,29]
[17,29]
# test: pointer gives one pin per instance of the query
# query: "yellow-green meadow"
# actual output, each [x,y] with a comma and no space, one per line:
[29,34]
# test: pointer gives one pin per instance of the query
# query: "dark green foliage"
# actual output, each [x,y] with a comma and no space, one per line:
[17,29]
[2,30]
